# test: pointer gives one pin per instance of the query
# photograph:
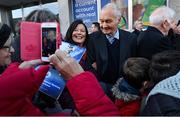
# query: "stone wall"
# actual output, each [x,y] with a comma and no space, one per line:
[175,4]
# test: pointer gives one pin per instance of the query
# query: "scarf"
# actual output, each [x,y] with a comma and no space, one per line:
[169,86]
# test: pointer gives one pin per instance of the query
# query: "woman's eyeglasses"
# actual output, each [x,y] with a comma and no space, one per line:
[8,48]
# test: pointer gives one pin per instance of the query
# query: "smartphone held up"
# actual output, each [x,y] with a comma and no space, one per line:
[48,40]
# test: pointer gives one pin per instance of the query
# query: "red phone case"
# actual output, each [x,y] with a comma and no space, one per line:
[30,40]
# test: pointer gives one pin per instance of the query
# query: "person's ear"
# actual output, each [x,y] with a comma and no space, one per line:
[165,24]
[118,20]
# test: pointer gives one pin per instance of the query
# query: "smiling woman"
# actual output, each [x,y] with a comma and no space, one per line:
[77,33]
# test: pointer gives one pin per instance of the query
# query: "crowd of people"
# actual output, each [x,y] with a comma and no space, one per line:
[122,73]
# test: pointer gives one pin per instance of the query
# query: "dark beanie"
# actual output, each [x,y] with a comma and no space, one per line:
[5,32]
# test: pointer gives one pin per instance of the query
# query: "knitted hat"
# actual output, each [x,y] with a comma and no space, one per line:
[5,32]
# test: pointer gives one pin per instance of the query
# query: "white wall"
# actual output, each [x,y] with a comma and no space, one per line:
[4,16]
[175,4]
[65,15]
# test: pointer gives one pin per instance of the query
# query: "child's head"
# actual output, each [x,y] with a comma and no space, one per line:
[136,71]
[164,65]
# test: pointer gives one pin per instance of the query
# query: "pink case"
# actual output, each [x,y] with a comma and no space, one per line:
[30,40]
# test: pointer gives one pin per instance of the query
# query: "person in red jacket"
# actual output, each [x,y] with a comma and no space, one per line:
[127,89]
[20,82]
[17,87]
[89,97]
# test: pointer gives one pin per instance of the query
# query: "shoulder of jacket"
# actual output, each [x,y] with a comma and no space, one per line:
[96,35]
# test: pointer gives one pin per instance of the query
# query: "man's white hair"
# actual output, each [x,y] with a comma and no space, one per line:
[117,11]
[161,14]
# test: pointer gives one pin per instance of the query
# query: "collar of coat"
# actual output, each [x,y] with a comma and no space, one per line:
[122,90]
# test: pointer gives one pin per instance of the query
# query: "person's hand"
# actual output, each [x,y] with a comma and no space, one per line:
[138,25]
[94,65]
[65,64]
[31,63]
[176,29]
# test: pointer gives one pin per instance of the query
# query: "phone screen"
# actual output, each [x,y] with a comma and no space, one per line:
[48,42]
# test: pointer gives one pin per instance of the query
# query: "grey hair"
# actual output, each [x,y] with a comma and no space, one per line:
[160,14]
[117,12]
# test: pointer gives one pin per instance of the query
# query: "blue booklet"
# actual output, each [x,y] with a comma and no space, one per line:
[73,50]
[54,84]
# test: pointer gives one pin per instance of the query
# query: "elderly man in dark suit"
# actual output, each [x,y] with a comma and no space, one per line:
[109,49]
[155,39]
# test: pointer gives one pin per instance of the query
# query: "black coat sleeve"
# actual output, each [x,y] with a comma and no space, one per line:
[91,58]
[134,45]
